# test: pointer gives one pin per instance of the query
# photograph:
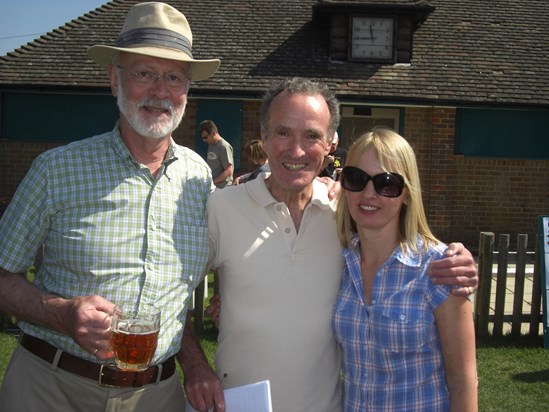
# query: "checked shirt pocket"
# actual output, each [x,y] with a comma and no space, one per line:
[399,329]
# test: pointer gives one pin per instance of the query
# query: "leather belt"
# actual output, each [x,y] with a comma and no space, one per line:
[105,375]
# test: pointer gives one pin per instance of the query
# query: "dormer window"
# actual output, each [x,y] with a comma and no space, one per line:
[371,31]
[372,38]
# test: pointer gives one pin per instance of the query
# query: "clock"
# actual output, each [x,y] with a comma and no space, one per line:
[372,39]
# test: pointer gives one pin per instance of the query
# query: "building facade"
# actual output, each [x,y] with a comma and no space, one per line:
[460,80]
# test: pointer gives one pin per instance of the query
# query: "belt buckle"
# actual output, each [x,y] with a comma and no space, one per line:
[100,378]
[108,365]
[158,373]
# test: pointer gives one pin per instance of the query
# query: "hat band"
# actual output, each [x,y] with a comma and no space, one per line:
[155,37]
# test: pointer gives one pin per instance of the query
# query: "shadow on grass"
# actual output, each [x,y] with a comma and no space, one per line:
[532,377]
[509,341]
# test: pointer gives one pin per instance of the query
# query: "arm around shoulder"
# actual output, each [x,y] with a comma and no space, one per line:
[457,268]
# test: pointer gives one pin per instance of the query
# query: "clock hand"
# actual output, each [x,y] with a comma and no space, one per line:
[371,33]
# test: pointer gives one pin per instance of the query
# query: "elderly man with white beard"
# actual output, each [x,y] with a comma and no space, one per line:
[122,218]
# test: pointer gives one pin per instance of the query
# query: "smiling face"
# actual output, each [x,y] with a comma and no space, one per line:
[152,110]
[372,212]
[296,142]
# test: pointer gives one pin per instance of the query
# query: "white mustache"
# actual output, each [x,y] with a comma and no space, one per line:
[157,104]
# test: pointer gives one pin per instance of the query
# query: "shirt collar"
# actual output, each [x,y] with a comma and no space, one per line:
[412,259]
[122,150]
[119,147]
[257,189]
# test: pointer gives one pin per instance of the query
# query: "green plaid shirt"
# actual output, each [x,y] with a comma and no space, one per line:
[110,228]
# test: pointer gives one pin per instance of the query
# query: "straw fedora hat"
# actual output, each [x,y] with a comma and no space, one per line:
[158,30]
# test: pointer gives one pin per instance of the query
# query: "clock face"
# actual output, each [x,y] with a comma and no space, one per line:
[372,38]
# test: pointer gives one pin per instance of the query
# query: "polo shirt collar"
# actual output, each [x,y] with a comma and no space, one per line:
[257,189]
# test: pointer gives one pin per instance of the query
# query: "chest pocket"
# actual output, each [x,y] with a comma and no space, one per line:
[402,329]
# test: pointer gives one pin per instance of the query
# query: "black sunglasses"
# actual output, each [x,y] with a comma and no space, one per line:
[354,179]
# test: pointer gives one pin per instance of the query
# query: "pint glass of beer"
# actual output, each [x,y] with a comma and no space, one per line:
[134,336]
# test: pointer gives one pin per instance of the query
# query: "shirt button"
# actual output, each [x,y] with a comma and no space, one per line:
[402,317]
[279,208]
[288,230]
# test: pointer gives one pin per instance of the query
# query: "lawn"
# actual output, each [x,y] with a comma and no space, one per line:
[513,372]
[513,375]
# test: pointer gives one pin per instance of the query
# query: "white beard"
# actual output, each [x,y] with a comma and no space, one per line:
[152,129]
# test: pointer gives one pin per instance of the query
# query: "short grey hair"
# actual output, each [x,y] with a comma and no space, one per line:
[299,85]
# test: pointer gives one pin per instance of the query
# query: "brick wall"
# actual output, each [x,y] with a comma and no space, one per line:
[500,196]
[15,160]
[250,131]
[186,132]
[462,196]
[430,132]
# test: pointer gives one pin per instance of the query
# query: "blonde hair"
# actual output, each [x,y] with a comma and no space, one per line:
[395,155]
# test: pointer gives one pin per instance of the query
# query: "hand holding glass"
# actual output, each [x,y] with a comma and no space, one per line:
[135,336]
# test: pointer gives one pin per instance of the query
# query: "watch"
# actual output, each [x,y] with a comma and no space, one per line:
[372,38]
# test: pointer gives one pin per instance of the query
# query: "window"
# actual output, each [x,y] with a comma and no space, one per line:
[357,120]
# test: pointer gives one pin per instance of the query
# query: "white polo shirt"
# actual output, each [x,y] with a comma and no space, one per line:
[277,290]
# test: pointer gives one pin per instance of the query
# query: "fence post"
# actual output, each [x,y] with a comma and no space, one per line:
[503,255]
[482,309]
[535,314]
[198,312]
[520,274]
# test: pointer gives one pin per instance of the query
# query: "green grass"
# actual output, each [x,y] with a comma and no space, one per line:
[513,375]
[7,345]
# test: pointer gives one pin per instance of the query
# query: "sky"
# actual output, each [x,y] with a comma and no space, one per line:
[22,21]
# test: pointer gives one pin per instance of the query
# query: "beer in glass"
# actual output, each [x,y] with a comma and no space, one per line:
[135,336]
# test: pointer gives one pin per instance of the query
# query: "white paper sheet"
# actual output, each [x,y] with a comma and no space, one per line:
[255,397]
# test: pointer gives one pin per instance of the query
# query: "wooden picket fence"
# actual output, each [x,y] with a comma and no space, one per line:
[507,302]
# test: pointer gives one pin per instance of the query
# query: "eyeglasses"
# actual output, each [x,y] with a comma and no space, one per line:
[174,80]
[354,179]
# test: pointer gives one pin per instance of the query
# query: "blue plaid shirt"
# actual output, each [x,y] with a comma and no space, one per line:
[392,358]
[110,228]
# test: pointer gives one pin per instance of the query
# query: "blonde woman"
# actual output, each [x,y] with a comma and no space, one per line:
[408,344]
